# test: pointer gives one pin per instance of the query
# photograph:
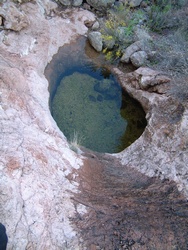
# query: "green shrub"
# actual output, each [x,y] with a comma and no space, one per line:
[118,30]
[162,14]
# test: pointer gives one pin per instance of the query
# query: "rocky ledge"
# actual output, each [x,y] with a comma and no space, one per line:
[52,198]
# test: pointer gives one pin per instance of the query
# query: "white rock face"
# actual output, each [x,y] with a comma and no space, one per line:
[35,192]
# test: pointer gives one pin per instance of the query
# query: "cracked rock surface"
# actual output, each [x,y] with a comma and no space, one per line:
[35,160]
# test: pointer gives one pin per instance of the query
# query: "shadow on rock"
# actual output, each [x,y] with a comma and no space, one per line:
[128,210]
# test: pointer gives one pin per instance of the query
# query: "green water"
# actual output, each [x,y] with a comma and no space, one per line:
[97,111]
[92,114]
[87,101]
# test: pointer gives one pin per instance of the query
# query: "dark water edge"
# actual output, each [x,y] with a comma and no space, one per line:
[127,209]
[104,122]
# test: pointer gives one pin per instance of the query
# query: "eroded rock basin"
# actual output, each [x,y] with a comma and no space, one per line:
[87,102]
[52,198]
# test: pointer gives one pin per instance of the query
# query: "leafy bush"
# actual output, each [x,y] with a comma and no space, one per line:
[118,30]
[171,54]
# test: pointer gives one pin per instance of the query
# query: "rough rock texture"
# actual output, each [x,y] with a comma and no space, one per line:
[162,150]
[129,51]
[95,38]
[35,195]
[127,209]
[138,58]
[14,18]
[150,78]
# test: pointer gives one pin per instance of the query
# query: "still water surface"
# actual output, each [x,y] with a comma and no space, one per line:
[87,102]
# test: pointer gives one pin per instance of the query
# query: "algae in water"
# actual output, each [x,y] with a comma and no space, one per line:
[91,107]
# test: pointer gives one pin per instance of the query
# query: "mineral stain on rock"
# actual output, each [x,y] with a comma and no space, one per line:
[127,209]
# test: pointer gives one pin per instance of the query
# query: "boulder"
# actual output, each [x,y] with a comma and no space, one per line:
[142,34]
[138,58]
[66,2]
[77,3]
[95,39]
[102,5]
[129,51]
[103,85]
[95,26]
[150,78]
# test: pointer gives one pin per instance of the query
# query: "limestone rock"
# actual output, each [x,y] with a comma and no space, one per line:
[138,58]
[95,39]
[14,19]
[101,5]
[129,51]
